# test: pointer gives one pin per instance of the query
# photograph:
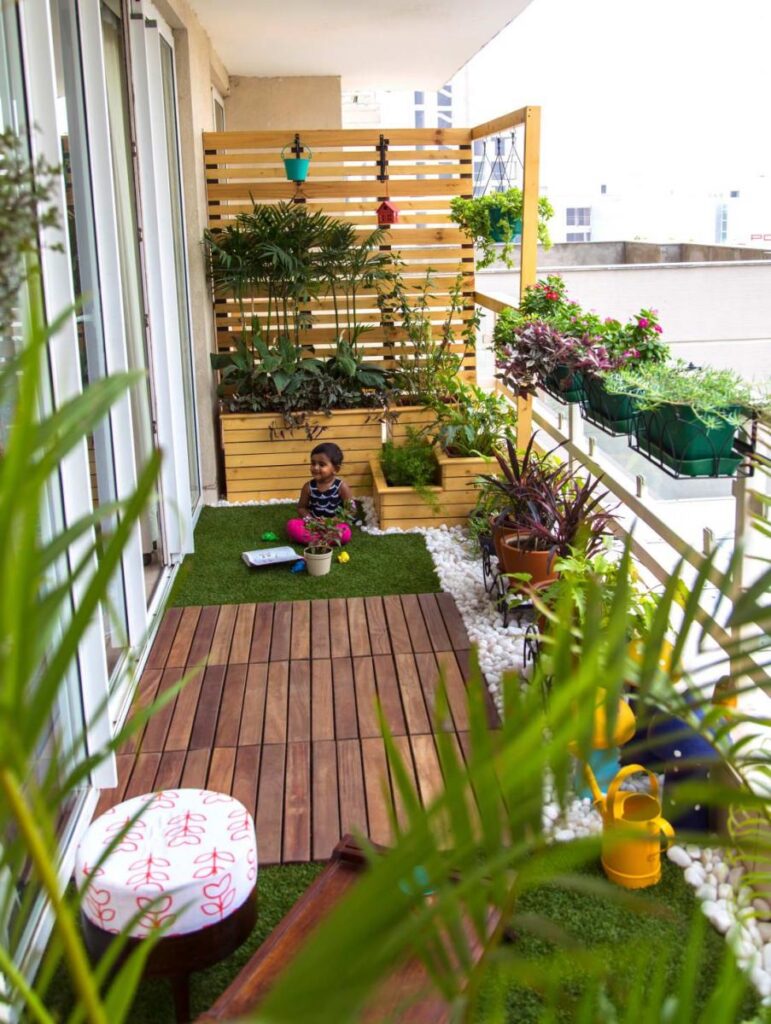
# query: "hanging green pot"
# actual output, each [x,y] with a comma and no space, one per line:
[616,412]
[296,167]
[504,227]
[675,435]
[564,383]
[678,430]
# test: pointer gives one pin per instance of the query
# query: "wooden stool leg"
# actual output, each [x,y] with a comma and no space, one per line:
[180,989]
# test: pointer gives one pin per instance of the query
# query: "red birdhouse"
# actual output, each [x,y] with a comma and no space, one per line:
[387,214]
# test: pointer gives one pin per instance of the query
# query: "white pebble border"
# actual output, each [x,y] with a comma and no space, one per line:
[727,903]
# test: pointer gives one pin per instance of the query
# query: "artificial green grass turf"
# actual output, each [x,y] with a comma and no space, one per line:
[279,888]
[619,935]
[215,574]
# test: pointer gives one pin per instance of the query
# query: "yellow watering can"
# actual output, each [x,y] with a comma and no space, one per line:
[632,828]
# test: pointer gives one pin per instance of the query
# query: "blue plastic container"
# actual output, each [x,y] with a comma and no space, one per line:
[296,167]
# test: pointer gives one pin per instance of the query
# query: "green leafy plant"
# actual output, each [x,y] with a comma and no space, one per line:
[498,213]
[411,464]
[426,366]
[325,532]
[578,570]
[473,421]
[40,632]
[290,256]
[715,396]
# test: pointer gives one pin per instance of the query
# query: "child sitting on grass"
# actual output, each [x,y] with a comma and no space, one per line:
[324,495]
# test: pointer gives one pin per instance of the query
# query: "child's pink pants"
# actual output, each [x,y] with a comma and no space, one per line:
[298,534]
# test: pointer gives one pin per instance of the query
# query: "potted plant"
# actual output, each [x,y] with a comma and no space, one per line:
[550,508]
[557,518]
[473,422]
[426,368]
[496,219]
[535,354]
[521,477]
[406,479]
[578,570]
[275,389]
[325,537]
[618,346]
[687,418]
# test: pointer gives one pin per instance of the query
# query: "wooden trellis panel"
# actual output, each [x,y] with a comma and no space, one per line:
[426,169]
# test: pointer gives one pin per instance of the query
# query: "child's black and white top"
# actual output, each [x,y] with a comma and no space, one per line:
[325,503]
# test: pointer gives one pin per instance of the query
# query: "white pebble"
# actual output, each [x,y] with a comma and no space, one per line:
[717,916]
[679,856]
[761,979]
[721,871]
[706,892]
[564,835]
[694,852]
[725,892]
[694,875]
[767,958]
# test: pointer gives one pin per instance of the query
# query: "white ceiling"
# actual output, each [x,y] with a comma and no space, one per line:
[396,45]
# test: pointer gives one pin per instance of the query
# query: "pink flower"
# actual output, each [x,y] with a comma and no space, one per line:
[657,328]
[643,321]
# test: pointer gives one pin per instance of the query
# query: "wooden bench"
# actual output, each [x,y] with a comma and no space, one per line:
[254,981]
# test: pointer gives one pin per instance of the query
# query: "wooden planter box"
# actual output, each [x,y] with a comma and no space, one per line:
[260,464]
[456,494]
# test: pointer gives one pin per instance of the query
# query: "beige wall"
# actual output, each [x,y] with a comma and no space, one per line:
[264,103]
[198,68]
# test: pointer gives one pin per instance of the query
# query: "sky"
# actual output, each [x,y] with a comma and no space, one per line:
[673,92]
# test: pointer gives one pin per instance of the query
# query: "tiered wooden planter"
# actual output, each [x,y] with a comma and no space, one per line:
[456,494]
[265,460]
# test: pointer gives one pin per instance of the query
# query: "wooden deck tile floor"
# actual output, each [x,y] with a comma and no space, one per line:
[283,716]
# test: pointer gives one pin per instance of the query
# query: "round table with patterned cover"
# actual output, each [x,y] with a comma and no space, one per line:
[186,861]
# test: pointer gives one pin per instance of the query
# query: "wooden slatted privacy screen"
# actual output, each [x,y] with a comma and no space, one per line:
[426,168]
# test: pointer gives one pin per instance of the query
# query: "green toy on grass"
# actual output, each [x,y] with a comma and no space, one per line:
[269,535]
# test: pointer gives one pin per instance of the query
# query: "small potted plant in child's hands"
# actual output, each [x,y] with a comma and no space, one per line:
[324,538]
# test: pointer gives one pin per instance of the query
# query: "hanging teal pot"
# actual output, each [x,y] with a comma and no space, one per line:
[504,227]
[296,167]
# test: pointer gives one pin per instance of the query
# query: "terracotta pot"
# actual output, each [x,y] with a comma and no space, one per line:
[539,564]
[499,532]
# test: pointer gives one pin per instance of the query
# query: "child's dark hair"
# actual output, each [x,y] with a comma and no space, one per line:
[332,451]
